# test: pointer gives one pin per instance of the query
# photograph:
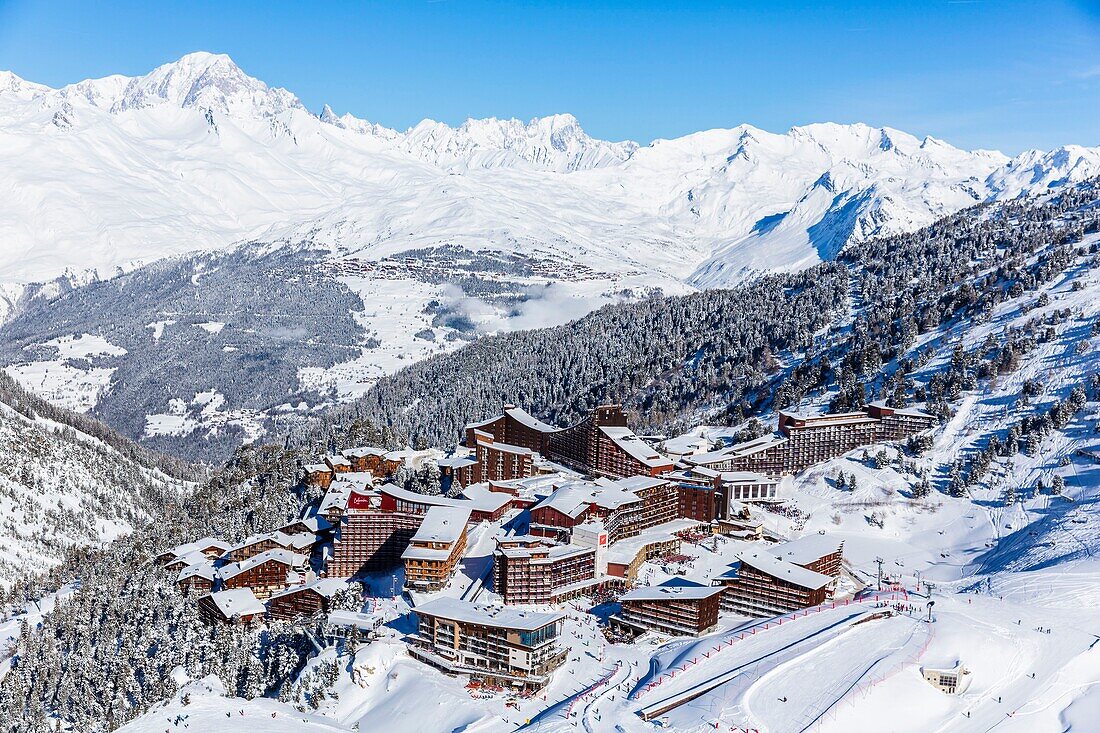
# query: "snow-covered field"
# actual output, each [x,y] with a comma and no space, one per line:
[59,380]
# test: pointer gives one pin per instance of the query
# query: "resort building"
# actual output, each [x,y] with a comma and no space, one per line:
[601,444]
[805,440]
[435,549]
[265,573]
[530,569]
[305,601]
[231,606]
[791,576]
[676,607]
[496,645]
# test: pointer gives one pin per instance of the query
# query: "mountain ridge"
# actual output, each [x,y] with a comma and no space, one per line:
[204,146]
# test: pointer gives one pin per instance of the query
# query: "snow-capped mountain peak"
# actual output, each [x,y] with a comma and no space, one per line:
[556,142]
[205,81]
[18,88]
[201,155]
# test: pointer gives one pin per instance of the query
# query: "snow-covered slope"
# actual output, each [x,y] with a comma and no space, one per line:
[200,155]
[60,488]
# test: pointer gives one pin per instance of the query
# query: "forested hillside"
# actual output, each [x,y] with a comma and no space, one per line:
[69,481]
[845,327]
[97,679]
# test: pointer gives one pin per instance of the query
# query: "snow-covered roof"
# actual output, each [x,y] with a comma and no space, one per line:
[205,570]
[541,546]
[910,411]
[714,456]
[509,448]
[785,570]
[502,617]
[238,601]
[673,591]
[487,501]
[317,468]
[363,621]
[358,479]
[757,445]
[338,461]
[283,557]
[205,543]
[442,524]
[326,587]
[635,447]
[364,451]
[456,461]
[745,477]
[313,524]
[341,489]
[525,418]
[573,498]
[296,541]
[685,445]
[808,549]
[191,558]
[637,483]
[834,418]
[625,550]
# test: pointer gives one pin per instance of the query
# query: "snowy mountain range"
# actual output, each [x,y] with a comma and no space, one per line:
[415,241]
[199,155]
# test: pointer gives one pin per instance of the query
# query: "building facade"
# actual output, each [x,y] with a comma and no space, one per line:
[305,601]
[530,569]
[265,573]
[435,549]
[515,649]
[681,609]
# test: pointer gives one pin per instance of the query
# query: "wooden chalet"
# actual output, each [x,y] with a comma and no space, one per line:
[197,579]
[305,601]
[265,573]
[318,474]
[231,606]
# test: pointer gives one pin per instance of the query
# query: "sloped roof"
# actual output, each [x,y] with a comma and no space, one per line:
[238,601]
[442,524]
[785,570]
[204,570]
[284,557]
[525,418]
[635,447]
[573,498]
[669,591]
[807,549]
[326,587]
[497,616]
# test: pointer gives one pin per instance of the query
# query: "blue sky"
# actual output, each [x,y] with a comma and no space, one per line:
[977,73]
